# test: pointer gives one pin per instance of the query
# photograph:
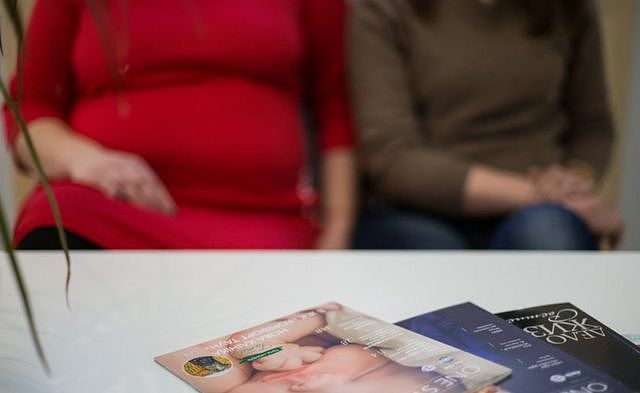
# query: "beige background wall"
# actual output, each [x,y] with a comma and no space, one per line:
[618,28]
[630,179]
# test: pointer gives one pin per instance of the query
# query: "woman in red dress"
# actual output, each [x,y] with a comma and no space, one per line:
[179,124]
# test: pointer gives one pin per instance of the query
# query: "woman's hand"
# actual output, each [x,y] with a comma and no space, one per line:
[123,176]
[66,154]
[599,216]
[578,194]
[556,183]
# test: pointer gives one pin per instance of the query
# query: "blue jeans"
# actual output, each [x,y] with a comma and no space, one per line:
[540,227]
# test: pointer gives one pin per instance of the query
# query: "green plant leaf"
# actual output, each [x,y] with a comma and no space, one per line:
[11,7]
[13,13]
[24,294]
[55,209]
[16,22]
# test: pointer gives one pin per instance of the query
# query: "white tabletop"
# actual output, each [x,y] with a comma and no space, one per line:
[129,307]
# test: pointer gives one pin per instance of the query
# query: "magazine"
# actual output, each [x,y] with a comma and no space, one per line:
[331,348]
[536,367]
[572,330]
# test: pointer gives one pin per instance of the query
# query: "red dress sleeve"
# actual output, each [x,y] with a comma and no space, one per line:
[324,23]
[47,77]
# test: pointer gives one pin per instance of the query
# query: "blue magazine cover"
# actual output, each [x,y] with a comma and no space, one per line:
[536,366]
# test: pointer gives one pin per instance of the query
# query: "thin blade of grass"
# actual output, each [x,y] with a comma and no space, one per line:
[55,209]
[24,295]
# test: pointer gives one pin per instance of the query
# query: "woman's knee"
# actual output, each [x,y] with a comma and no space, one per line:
[543,227]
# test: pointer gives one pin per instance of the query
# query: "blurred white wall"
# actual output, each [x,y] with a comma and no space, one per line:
[630,195]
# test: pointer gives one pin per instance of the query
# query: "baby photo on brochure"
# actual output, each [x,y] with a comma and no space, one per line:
[330,349]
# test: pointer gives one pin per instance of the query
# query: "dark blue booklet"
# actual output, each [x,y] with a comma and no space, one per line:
[536,366]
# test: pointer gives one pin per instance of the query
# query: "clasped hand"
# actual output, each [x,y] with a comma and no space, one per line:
[577,193]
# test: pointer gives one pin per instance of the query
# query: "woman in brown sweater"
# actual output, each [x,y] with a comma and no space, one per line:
[482,124]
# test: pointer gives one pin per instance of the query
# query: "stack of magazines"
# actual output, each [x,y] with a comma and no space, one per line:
[335,349]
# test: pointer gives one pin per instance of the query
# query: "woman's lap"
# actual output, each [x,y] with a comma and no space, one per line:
[540,227]
[543,227]
[116,224]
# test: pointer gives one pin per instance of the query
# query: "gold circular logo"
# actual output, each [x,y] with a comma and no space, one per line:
[208,366]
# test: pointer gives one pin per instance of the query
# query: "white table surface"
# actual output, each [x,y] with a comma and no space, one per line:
[129,307]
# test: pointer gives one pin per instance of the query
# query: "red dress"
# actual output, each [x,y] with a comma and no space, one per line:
[210,93]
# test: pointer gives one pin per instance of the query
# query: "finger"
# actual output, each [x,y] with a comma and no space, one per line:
[110,185]
[155,190]
[139,186]
[109,188]
[135,195]
[166,200]
[568,187]
[577,185]
[158,196]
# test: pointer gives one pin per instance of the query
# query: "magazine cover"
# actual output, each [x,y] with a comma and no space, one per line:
[331,349]
[535,366]
[572,330]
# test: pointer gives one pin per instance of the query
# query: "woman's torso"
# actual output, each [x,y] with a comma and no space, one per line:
[207,91]
[482,87]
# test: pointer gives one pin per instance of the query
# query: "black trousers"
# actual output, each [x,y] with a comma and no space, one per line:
[47,239]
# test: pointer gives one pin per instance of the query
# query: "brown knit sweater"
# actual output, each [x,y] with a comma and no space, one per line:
[470,86]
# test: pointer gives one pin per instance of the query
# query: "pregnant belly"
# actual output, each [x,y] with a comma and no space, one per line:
[220,142]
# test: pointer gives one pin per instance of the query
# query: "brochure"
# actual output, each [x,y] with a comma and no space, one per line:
[572,330]
[536,367]
[331,349]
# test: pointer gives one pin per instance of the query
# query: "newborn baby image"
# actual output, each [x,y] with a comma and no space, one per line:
[340,369]
[331,349]
[291,357]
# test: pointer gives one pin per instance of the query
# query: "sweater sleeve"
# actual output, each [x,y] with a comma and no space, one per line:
[324,24]
[47,78]
[399,164]
[590,134]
